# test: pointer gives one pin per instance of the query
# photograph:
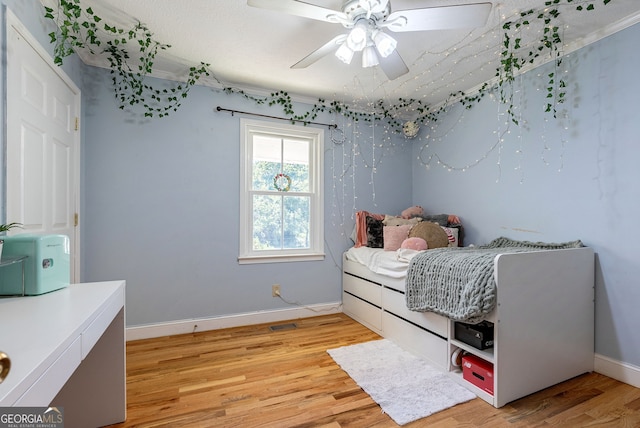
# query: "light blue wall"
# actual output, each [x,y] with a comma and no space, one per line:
[590,189]
[161,210]
[160,201]
[160,197]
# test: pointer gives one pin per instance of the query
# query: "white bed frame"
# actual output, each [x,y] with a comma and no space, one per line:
[543,320]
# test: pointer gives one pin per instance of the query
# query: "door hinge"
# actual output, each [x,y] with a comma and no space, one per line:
[77,123]
[75,219]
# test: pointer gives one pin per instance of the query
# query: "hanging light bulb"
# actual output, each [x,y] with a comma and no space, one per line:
[357,38]
[344,53]
[369,57]
[385,44]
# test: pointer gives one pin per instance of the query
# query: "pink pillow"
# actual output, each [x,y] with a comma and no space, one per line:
[414,243]
[394,235]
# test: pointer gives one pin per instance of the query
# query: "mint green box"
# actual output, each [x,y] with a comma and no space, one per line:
[46,266]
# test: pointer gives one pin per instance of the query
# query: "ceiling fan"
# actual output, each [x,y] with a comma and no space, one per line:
[366,21]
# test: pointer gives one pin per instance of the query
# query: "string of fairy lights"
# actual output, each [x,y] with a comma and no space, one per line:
[359,147]
[362,146]
[438,79]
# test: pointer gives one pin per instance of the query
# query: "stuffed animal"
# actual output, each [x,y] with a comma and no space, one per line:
[411,212]
[415,243]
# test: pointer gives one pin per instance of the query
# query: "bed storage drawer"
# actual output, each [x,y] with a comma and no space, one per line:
[369,291]
[363,312]
[358,270]
[418,341]
[394,302]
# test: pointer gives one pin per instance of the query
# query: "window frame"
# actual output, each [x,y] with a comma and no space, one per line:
[315,136]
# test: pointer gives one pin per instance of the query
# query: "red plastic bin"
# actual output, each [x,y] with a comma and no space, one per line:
[478,371]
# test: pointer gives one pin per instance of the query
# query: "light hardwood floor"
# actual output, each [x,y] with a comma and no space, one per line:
[253,376]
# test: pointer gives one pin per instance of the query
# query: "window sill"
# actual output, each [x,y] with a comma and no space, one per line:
[284,258]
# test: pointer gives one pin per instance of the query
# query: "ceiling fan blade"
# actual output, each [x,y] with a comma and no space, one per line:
[299,8]
[393,66]
[326,49]
[439,18]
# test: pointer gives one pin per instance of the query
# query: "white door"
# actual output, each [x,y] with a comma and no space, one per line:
[43,142]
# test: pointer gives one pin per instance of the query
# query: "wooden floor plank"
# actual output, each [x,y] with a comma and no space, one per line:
[255,377]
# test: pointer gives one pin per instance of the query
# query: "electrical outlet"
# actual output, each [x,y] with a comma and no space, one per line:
[275,290]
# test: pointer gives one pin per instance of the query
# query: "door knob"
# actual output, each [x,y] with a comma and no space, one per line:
[5,365]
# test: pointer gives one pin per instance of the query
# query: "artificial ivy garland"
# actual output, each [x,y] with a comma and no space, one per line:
[80,29]
[510,64]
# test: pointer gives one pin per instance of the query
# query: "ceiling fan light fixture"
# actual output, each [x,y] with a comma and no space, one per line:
[385,44]
[365,19]
[357,38]
[369,57]
[344,53]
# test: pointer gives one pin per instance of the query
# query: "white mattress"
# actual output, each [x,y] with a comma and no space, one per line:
[393,264]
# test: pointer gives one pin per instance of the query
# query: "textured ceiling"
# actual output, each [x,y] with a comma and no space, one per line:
[254,48]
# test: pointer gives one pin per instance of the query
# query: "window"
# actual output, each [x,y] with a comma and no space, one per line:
[281,200]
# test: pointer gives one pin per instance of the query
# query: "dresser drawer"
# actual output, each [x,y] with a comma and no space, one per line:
[52,380]
[94,331]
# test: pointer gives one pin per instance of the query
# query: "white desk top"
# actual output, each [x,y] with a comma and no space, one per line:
[36,330]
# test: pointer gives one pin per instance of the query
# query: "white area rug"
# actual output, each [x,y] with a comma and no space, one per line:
[406,387]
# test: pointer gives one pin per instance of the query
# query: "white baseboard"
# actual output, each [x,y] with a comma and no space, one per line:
[236,320]
[617,370]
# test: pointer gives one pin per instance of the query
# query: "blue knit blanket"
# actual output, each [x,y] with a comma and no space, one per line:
[458,282]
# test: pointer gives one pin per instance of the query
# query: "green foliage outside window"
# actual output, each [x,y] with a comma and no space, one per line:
[281,219]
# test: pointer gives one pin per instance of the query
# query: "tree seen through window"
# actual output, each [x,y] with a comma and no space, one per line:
[281,215]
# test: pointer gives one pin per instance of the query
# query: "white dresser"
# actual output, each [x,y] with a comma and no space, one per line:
[67,349]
